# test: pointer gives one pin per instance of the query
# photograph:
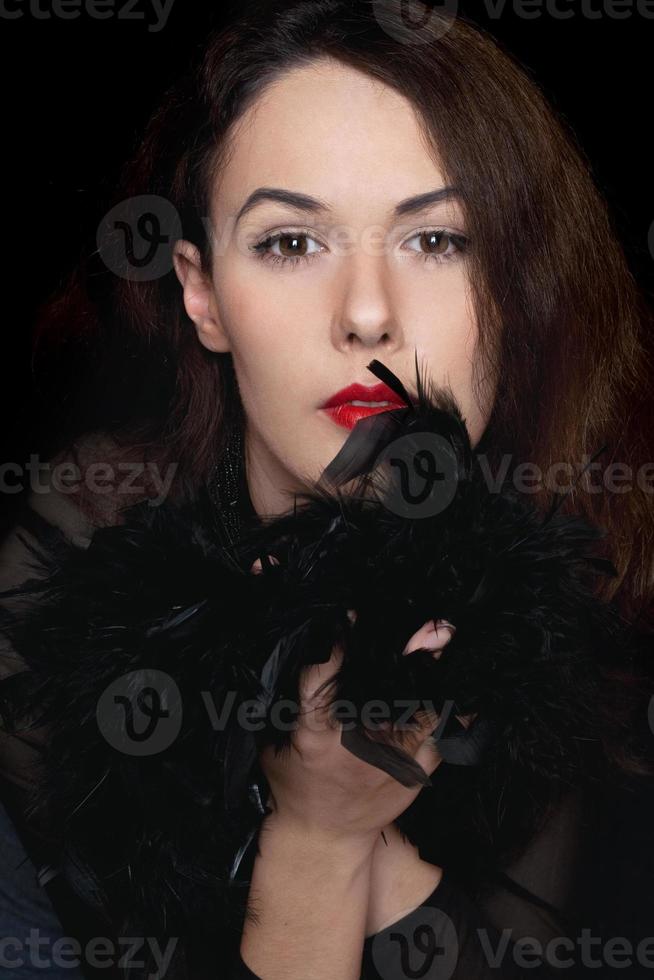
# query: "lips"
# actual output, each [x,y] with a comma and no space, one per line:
[340,409]
[364,393]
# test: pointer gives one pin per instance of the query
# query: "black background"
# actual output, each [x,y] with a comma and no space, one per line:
[76,94]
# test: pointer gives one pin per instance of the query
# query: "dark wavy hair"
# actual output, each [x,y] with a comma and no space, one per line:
[560,316]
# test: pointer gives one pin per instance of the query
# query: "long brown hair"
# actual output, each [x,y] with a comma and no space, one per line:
[560,316]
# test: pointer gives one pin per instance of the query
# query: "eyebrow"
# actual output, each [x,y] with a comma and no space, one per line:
[313,205]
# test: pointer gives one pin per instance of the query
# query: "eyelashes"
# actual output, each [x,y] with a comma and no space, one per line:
[434,236]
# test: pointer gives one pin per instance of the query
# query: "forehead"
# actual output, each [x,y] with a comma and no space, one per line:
[331,131]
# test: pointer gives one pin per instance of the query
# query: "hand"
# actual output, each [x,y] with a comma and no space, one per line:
[317,784]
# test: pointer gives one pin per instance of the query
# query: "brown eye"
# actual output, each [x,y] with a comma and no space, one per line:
[288,247]
[434,242]
[439,245]
[293,243]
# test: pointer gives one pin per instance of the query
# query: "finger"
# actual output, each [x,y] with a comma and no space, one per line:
[409,734]
[434,636]
[257,567]
[467,720]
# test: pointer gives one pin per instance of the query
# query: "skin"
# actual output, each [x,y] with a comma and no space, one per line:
[358,284]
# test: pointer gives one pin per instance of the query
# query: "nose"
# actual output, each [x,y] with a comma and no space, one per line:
[365,335]
[367,317]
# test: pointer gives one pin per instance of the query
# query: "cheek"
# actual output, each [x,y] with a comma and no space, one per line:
[446,335]
[276,328]
[448,341]
[275,364]
[261,331]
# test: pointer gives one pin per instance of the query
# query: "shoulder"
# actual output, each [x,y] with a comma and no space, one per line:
[85,486]
[93,481]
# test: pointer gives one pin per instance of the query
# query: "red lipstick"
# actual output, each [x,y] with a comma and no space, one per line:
[340,409]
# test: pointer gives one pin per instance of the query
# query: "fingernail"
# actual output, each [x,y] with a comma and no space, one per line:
[445,625]
[257,567]
[434,635]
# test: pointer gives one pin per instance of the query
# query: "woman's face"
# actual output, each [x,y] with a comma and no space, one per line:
[302,315]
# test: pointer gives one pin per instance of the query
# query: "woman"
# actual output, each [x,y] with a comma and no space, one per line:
[348,188]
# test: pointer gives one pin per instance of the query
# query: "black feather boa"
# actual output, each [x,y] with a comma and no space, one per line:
[160,622]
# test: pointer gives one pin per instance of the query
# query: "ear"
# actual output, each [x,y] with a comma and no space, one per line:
[199,297]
